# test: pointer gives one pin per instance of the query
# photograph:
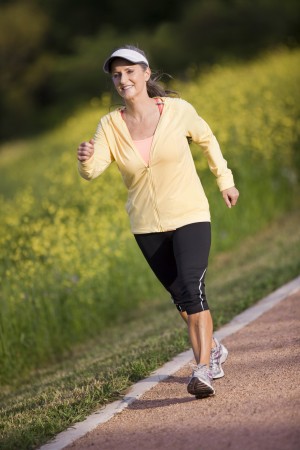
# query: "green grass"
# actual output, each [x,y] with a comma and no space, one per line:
[48,401]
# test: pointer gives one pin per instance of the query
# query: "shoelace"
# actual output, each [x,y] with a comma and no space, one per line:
[200,369]
[193,367]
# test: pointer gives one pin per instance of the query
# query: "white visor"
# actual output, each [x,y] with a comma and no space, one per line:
[129,55]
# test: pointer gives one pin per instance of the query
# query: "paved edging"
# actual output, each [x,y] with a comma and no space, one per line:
[105,413]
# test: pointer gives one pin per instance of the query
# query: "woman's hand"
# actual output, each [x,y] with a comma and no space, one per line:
[85,150]
[230,196]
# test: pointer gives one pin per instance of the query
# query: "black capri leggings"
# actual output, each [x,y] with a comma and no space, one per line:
[179,260]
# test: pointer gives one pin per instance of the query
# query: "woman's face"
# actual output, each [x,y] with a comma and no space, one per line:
[129,79]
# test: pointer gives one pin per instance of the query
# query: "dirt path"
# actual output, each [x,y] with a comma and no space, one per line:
[256,406]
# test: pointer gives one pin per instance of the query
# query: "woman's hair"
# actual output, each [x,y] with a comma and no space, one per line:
[154,88]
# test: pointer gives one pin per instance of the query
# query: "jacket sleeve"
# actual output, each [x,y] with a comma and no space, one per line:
[101,158]
[199,131]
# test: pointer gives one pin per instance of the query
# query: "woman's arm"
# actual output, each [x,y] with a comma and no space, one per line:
[201,133]
[94,156]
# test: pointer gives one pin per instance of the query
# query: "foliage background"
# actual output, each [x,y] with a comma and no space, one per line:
[51,51]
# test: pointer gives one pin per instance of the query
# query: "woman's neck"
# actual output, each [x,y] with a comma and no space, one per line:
[140,110]
[141,119]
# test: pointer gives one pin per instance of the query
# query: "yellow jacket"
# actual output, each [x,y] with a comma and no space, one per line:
[167,193]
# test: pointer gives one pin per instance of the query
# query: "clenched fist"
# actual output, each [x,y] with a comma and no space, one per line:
[230,196]
[85,150]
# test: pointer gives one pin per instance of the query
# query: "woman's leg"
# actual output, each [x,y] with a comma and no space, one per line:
[158,249]
[163,252]
[200,332]
[185,317]
[191,245]
[218,353]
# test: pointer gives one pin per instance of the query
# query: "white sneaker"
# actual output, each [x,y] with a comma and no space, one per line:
[200,383]
[218,356]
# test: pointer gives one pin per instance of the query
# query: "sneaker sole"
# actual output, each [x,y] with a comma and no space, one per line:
[199,388]
[219,375]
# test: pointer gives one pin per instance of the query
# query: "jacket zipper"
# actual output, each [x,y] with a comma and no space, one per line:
[153,196]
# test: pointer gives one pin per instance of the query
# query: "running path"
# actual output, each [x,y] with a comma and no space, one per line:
[256,406]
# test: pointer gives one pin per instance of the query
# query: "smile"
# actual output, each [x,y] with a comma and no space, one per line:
[125,88]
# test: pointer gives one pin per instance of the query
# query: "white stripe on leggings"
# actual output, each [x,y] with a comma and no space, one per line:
[200,288]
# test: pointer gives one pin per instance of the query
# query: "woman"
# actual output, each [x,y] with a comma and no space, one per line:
[168,210]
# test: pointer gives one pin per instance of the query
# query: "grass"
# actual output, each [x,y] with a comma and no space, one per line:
[36,408]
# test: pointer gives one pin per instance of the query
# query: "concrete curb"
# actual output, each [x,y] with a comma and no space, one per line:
[106,413]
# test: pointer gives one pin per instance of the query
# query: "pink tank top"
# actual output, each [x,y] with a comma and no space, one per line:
[144,145]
